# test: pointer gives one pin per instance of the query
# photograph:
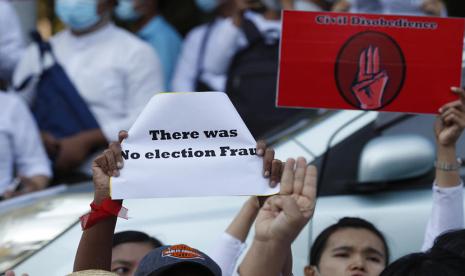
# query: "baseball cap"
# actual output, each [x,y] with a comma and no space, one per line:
[165,257]
[93,272]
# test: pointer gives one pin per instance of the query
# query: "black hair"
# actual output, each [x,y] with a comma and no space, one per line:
[452,241]
[135,236]
[446,258]
[320,242]
[427,264]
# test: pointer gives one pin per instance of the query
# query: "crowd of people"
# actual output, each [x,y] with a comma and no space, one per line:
[109,73]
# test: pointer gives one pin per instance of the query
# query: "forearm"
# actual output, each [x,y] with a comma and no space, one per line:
[40,181]
[447,209]
[94,251]
[265,259]
[241,224]
[94,138]
[95,246]
[287,268]
[447,178]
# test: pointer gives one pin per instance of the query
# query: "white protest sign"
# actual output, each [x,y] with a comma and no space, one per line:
[189,144]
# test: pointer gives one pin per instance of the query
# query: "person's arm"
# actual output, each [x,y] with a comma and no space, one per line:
[95,246]
[74,150]
[30,160]
[232,243]
[447,209]
[186,69]
[281,219]
[434,8]
[11,40]
[341,6]
[226,38]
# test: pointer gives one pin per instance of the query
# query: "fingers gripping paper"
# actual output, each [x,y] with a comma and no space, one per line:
[189,144]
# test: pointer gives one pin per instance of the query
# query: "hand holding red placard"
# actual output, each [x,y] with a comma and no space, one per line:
[370,83]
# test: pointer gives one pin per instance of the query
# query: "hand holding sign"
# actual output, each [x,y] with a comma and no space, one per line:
[110,162]
[451,122]
[370,82]
[191,144]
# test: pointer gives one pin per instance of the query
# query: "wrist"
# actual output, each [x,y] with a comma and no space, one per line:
[453,166]
[446,153]
[273,241]
[100,197]
[272,246]
[101,210]
[252,205]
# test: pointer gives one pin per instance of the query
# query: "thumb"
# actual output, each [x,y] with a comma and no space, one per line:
[10,273]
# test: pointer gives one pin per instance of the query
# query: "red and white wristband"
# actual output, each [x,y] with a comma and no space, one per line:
[108,208]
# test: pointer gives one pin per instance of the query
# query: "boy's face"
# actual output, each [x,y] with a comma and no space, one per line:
[126,257]
[351,252]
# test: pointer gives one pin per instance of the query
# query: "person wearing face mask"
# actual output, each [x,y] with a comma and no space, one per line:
[199,47]
[152,27]
[228,37]
[11,42]
[112,71]
[410,7]
[190,73]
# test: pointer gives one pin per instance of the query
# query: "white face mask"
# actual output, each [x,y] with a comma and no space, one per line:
[207,5]
[125,11]
[77,14]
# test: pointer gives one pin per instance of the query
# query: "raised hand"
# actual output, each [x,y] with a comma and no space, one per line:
[432,7]
[283,216]
[451,121]
[371,82]
[106,165]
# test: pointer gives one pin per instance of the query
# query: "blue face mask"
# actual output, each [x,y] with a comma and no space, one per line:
[207,5]
[125,11]
[78,15]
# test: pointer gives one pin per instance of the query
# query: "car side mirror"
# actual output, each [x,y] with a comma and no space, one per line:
[396,157]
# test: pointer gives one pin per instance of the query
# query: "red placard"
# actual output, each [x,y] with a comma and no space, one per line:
[370,62]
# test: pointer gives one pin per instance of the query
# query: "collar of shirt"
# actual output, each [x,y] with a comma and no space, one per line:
[154,26]
[83,41]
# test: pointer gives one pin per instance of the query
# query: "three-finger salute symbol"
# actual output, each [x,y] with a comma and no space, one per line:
[371,81]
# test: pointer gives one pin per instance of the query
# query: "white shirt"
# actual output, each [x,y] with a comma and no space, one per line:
[229,39]
[115,73]
[187,67]
[226,252]
[11,40]
[447,213]
[405,7]
[223,43]
[20,145]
